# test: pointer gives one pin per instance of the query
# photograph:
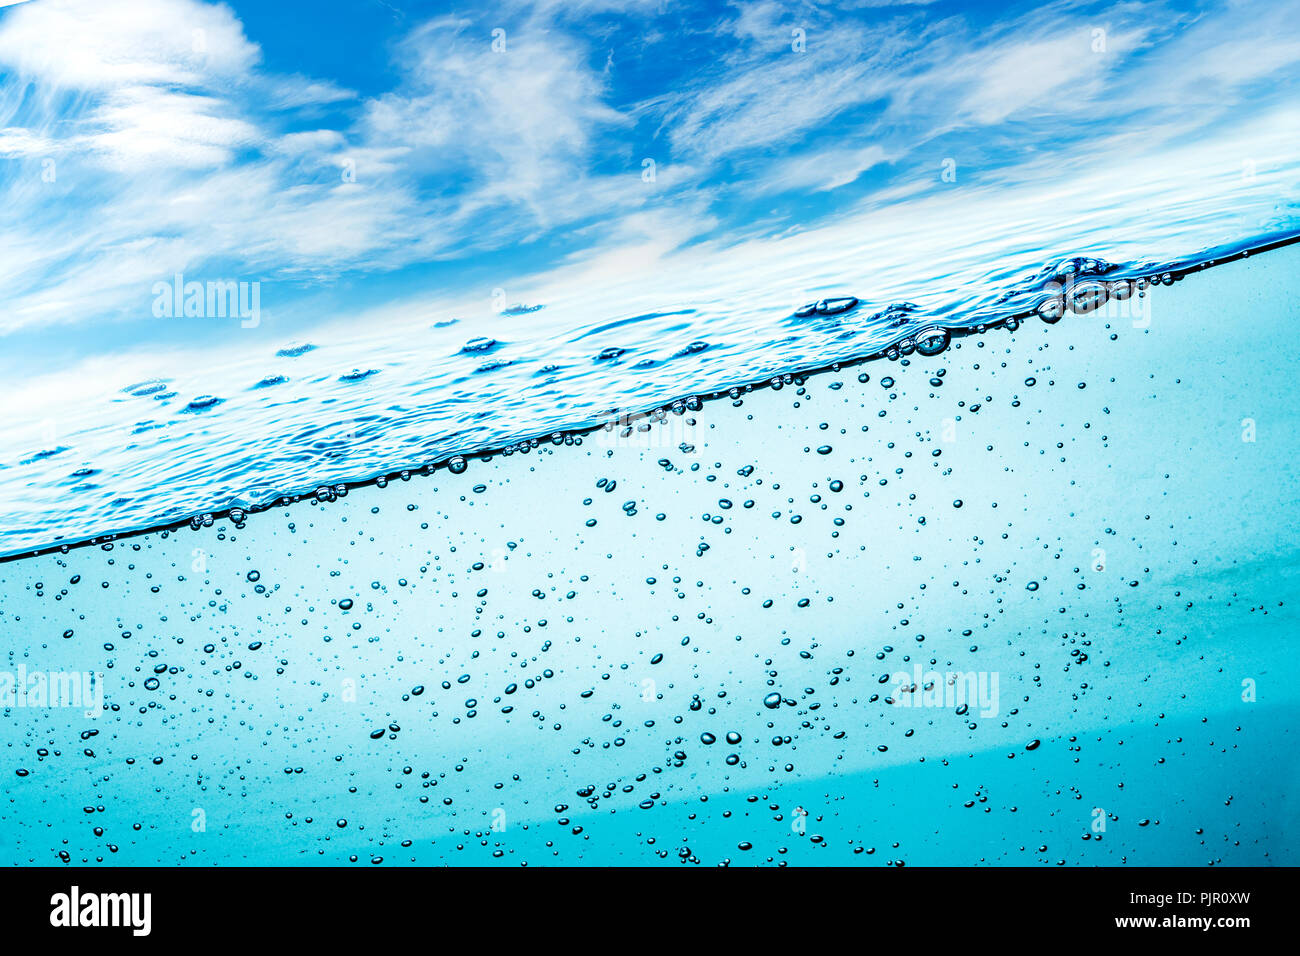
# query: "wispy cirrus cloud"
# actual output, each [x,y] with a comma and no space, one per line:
[149,137]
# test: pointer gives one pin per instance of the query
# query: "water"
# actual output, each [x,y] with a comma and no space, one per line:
[147,456]
[570,654]
[648,434]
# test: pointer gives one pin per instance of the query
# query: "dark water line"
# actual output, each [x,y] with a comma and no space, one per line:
[1147,272]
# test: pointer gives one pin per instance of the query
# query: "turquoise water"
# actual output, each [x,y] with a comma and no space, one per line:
[694,639]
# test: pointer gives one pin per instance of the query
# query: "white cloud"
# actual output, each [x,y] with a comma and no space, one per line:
[520,120]
[88,45]
[16,141]
[314,141]
[823,170]
[142,126]
[142,80]
[297,92]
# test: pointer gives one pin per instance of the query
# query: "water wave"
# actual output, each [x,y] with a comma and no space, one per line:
[297,425]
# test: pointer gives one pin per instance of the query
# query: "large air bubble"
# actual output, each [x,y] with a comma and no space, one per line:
[932,341]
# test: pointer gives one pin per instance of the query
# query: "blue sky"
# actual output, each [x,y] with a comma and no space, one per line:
[348,155]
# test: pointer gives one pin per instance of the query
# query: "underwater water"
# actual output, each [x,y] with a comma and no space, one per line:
[1027,600]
